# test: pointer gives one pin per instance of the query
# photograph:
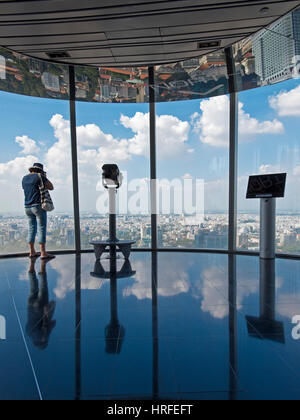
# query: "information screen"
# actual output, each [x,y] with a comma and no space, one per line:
[267,186]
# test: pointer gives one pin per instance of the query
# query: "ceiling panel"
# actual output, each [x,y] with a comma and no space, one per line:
[243,22]
[133,34]
[59,9]
[144,31]
[53,39]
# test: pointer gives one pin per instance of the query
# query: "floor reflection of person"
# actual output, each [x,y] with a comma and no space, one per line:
[40,310]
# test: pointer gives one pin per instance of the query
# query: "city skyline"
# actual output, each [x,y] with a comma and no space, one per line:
[173,232]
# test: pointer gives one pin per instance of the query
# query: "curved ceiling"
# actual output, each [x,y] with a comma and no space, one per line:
[131,32]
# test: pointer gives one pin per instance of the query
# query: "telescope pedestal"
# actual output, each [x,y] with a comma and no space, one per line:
[122,246]
[112,243]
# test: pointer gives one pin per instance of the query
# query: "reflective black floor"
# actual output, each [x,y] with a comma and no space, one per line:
[173,326]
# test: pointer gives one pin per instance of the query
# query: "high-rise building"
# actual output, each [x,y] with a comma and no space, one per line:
[105,91]
[2,68]
[51,81]
[275,49]
[11,235]
[70,237]
[143,231]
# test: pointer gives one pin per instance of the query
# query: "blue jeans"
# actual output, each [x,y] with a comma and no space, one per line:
[37,218]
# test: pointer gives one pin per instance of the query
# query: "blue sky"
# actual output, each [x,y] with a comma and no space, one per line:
[199,154]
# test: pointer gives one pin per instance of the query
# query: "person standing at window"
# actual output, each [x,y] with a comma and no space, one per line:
[37,217]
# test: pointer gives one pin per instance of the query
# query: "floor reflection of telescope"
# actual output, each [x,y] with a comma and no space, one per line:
[114,332]
[265,326]
[100,273]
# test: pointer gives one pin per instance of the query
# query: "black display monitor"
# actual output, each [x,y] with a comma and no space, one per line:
[267,186]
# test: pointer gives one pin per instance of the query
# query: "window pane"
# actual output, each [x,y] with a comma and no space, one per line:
[197,78]
[31,77]
[193,154]
[270,56]
[34,130]
[112,85]
[269,143]
[114,133]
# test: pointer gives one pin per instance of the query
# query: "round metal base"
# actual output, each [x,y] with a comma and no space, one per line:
[120,246]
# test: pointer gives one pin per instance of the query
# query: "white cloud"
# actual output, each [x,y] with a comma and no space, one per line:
[11,174]
[172,135]
[28,145]
[214,289]
[249,126]
[65,280]
[16,167]
[94,149]
[297,171]
[287,103]
[174,281]
[269,169]
[287,310]
[213,123]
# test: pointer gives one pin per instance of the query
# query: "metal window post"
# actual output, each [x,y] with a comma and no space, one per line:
[233,172]
[233,151]
[153,175]
[155,338]
[78,386]
[233,329]
[74,158]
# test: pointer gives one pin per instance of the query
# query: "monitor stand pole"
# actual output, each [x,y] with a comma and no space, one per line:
[268,228]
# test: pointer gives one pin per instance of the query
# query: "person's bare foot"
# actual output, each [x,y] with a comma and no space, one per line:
[47,256]
[35,255]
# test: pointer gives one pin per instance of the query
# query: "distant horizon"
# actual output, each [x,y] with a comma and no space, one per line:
[223,213]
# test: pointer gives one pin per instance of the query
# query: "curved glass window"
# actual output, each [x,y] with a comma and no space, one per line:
[193,173]
[197,78]
[119,134]
[32,130]
[269,143]
[32,77]
[192,132]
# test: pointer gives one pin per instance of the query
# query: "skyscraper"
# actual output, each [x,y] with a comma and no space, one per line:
[2,68]
[275,49]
